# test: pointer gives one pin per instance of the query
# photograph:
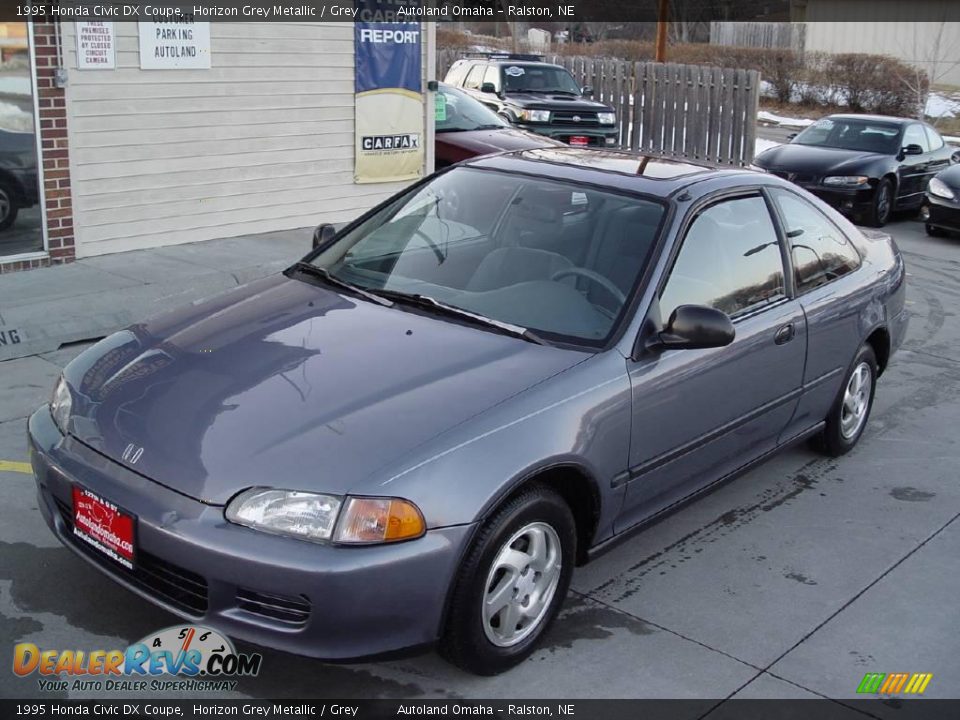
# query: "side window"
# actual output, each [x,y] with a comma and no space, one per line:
[455,74]
[474,77]
[730,260]
[492,75]
[821,253]
[914,135]
[936,142]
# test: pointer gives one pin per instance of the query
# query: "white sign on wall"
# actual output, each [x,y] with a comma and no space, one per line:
[180,45]
[95,46]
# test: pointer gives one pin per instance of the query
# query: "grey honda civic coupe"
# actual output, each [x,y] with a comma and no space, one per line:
[412,436]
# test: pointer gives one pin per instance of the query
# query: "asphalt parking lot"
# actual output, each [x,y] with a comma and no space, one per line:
[791,582]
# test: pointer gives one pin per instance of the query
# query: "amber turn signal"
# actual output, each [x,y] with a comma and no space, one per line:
[377,520]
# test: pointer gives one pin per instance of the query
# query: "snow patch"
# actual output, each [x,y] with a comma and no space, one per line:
[783,121]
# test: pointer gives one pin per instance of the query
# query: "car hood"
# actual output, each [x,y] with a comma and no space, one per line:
[817,160]
[951,176]
[286,384]
[483,142]
[547,101]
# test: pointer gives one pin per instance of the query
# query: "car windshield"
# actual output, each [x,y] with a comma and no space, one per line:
[852,134]
[457,112]
[538,78]
[554,258]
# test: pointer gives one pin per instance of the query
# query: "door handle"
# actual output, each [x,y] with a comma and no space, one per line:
[784,334]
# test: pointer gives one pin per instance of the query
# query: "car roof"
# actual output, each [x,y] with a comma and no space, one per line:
[499,60]
[623,170]
[872,118]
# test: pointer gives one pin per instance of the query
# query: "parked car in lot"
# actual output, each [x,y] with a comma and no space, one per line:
[867,166]
[413,435]
[536,96]
[941,210]
[466,128]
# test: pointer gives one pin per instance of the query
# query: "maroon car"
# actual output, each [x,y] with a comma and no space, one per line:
[467,128]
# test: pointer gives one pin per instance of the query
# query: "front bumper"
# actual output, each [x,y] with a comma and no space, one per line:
[605,136]
[849,201]
[941,213]
[334,603]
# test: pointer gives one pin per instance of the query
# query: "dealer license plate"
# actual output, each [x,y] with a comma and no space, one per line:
[103,526]
[579,140]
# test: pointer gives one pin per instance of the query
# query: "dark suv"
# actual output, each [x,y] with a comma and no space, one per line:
[536,96]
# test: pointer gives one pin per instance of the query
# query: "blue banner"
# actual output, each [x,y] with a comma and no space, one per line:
[389,102]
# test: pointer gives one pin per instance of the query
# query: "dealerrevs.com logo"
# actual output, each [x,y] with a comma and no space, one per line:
[202,655]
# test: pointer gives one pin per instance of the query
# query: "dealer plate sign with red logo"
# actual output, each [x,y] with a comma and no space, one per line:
[103,526]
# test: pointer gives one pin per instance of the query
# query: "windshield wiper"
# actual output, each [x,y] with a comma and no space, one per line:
[331,279]
[429,303]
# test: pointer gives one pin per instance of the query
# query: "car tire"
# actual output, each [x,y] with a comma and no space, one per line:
[851,410]
[882,205]
[8,205]
[933,230]
[475,638]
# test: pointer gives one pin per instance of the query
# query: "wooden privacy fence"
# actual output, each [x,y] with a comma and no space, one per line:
[691,112]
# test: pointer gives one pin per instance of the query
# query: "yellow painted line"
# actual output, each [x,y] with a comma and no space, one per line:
[11,466]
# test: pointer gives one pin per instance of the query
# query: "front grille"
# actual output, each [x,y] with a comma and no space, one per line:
[565,117]
[177,586]
[292,610]
[799,178]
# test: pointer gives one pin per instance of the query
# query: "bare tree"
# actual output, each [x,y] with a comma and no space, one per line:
[931,58]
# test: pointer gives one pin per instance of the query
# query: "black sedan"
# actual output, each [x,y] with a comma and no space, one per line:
[941,209]
[866,166]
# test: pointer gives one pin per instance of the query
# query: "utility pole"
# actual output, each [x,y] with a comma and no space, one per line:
[662,14]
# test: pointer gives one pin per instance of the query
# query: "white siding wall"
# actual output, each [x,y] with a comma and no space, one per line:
[262,141]
[891,29]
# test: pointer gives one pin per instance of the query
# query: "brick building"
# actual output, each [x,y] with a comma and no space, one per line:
[129,156]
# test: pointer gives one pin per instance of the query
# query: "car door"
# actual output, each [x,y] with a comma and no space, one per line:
[491,100]
[832,297]
[701,414]
[940,155]
[473,80]
[913,168]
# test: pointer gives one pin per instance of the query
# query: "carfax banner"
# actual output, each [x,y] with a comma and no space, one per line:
[389,100]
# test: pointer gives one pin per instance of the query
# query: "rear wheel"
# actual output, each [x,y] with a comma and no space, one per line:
[882,205]
[512,584]
[8,205]
[850,411]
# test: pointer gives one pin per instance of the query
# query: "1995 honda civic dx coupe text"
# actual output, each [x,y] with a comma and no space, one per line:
[414,435]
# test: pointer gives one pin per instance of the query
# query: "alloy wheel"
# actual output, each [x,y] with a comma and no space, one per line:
[856,400]
[521,584]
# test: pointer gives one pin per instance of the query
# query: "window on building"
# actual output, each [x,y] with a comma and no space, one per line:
[21,226]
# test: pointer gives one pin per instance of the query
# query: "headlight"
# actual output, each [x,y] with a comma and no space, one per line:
[374,520]
[940,189]
[312,516]
[846,180]
[607,118]
[535,115]
[61,404]
[287,512]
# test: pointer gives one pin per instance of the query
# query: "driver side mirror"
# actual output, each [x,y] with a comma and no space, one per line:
[488,87]
[912,149]
[323,233]
[694,327]
[587,91]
